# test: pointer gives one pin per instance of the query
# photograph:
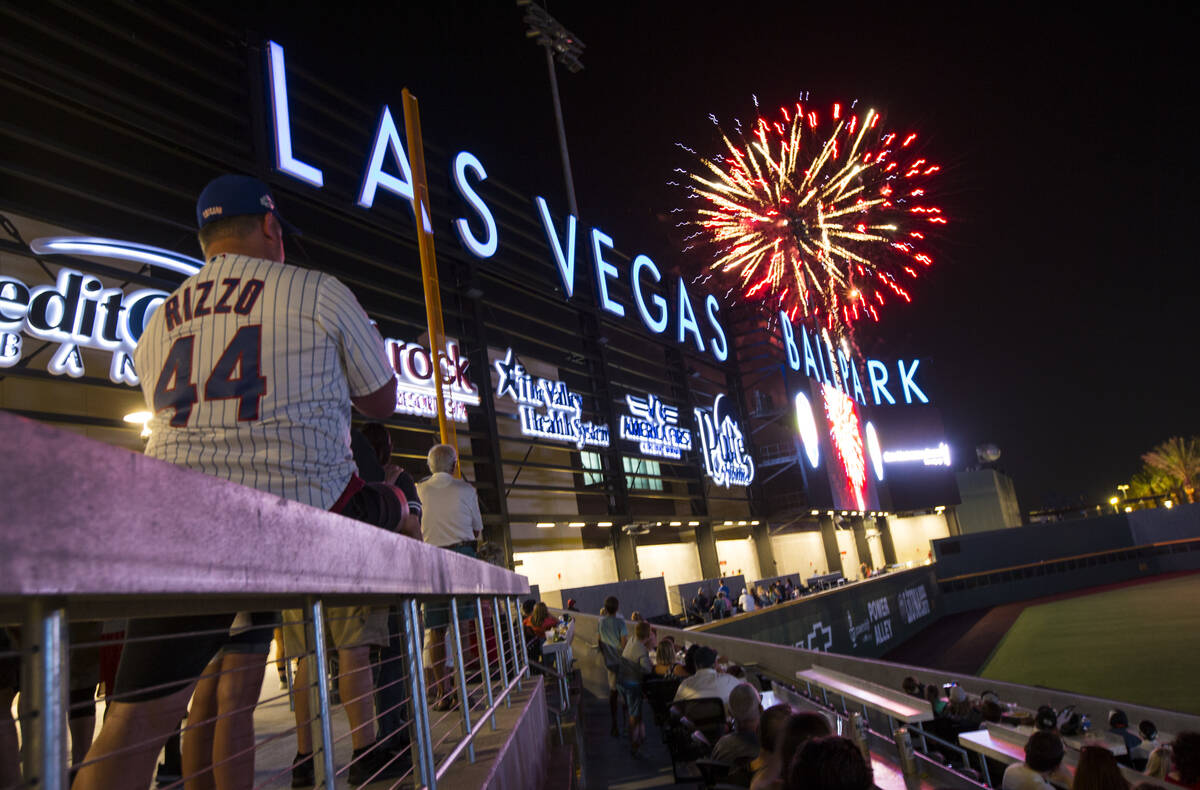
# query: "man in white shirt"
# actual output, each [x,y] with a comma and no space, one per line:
[450,520]
[707,682]
[747,601]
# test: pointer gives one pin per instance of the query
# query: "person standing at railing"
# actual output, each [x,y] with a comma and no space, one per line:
[635,666]
[613,635]
[451,521]
[746,600]
[372,448]
[251,367]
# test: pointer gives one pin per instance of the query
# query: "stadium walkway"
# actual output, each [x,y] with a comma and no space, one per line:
[606,761]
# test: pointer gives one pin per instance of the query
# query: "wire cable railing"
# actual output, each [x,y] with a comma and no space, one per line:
[138,539]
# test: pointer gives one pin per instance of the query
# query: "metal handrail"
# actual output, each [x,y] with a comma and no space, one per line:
[138,537]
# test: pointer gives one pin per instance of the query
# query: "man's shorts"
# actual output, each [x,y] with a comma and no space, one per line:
[345,627]
[251,633]
[437,615]
[10,661]
[162,655]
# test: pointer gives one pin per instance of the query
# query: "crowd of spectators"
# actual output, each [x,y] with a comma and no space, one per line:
[1176,762]
[705,607]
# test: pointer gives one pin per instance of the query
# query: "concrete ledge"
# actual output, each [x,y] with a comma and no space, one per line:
[515,756]
[82,518]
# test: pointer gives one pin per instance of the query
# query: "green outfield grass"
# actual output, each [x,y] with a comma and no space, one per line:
[1139,644]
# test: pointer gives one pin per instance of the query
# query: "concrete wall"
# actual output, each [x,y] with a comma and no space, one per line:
[801,553]
[674,563]
[647,596]
[875,542]
[1020,545]
[1162,524]
[989,501]
[738,558]
[1000,567]
[849,550]
[552,570]
[912,536]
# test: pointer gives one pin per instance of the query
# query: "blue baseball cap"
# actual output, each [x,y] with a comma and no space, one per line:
[233,195]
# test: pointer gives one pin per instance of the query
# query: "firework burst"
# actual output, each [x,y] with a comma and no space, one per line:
[821,214]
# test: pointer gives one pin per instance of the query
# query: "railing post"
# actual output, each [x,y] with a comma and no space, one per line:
[524,648]
[483,659]
[498,630]
[422,737]
[45,680]
[513,636]
[323,768]
[464,696]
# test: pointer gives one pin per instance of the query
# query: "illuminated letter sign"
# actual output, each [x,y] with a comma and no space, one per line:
[723,447]
[547,408]
[285,162]
[480,249]
[78,311]
[416,392]
[656,325]
[387,138]
[655,427]
[840,368]
[565,260]
[604,271]
[930,456]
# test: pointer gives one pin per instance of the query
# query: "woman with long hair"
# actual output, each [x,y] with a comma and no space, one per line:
[1098,770]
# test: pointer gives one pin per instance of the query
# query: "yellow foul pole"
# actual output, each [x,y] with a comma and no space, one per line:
[429,273]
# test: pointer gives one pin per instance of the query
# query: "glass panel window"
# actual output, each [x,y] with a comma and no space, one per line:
[593,468]
[647,474]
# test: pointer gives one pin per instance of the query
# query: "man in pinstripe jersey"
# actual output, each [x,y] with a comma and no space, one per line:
[250,368]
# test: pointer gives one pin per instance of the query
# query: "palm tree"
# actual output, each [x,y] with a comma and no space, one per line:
[1150,482]
[1179,459]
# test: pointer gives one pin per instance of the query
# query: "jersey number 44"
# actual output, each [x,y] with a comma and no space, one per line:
[236,375]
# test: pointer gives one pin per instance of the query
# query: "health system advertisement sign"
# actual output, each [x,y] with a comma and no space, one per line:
[547,409]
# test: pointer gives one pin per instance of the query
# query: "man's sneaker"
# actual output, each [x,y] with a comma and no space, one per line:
[372,764]
[303,772]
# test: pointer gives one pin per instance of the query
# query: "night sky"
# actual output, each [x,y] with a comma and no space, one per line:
[1060,319]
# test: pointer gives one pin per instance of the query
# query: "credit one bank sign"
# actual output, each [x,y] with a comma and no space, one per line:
[674,314]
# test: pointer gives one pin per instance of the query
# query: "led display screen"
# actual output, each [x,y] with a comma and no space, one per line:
[858,457]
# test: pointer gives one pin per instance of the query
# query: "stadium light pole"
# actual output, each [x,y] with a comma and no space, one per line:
[565,47]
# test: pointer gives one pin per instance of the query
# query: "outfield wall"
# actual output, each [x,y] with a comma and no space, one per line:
[1003,566]
[866,618]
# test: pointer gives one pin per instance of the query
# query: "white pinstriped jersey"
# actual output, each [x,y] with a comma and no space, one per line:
[249,367]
